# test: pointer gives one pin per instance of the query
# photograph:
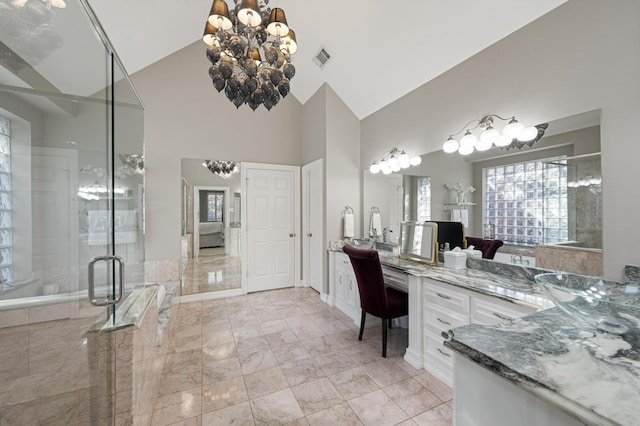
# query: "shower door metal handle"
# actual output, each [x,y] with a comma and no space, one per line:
[92,295]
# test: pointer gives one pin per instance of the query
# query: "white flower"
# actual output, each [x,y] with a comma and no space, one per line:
[459,188]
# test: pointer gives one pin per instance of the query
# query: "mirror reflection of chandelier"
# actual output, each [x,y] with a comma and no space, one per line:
[224,169]
[250,50]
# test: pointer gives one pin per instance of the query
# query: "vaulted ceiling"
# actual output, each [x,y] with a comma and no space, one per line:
[380,50]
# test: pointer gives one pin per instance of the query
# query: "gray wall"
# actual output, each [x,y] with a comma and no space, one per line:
[185,117]
[580,57]
[342,165]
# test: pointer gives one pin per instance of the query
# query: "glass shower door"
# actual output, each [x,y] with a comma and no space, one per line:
[71,188]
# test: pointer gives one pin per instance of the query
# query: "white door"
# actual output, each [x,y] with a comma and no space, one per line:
[313,224]
[272,226]
[54,226]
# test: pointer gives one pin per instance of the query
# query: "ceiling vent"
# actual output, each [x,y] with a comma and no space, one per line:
[322,57]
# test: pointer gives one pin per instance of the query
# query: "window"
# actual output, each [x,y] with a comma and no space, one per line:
[5,202]
[215,206]
[424,199]
[526,203]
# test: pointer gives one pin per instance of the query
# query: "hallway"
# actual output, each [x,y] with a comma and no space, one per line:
[285,357]
[211,272]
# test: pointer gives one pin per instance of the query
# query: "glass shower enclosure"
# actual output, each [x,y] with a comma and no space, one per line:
[71,210]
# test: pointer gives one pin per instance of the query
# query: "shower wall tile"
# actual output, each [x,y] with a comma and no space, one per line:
[14,317]
[14,348]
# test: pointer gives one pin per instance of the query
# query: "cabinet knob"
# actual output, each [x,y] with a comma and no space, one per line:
[291,235]
[309,235]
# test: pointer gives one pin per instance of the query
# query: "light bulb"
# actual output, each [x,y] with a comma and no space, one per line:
[386,171]
[503,141]
[383,164]
[393,163]
[450,146]
[489,136]
[513,129]
[528,134]
[403,159]
[374,168]
[465,149]
[395,167]
[469,139]
[415,160]
[483,145]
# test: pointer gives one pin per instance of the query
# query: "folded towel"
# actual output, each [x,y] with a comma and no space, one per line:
[376,224]
[349,225]
[460,215]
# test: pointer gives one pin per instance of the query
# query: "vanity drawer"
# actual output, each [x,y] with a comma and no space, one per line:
[447,298]
[395,278]
[438,319]
[489,313]
[438,358]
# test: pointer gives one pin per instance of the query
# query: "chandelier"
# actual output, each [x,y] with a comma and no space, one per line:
[514,136]
[224,169]
[250,50]
[394,161]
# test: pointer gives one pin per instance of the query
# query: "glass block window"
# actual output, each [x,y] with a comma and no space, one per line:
[526,202]
[5,202]
[424,199]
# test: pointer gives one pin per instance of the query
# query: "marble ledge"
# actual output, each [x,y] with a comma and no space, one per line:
[592,375]
[130,313]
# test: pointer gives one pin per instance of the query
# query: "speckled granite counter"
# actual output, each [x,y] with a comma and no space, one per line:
[594,376]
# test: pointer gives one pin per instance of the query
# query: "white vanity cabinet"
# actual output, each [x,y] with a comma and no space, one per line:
[343,287]
[447,307]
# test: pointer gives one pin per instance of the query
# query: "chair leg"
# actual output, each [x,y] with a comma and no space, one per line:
[390,321]
[384,338]
[364,315]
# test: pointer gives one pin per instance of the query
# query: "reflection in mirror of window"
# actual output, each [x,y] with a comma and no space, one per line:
[5,202]
[527,202]
[417,198]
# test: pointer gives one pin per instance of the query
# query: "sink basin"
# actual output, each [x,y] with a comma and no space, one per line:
[356,242]
[592,302]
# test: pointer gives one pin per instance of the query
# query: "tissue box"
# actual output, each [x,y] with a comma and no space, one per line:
[455,259]
[473,254]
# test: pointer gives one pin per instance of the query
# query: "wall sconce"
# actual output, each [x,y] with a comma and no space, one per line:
[394,161]
[514,135]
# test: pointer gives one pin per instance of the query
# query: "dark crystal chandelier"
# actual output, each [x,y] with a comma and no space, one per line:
[250,50]
[224,169]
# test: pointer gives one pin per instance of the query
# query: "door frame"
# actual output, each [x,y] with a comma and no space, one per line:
[196,215]
[243,215]
[306,228]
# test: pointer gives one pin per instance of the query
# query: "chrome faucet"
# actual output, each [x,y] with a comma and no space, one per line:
[385,234]
[516,258]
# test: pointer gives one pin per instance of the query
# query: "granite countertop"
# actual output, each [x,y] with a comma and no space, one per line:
[593,375]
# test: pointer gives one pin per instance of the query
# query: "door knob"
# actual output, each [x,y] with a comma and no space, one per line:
[309,235]
[291,235]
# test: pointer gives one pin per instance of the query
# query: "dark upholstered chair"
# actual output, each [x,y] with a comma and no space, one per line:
[375,299]
[488,247]
[452,233]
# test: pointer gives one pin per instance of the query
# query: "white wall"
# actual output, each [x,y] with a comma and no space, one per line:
[185,117]
[582,56]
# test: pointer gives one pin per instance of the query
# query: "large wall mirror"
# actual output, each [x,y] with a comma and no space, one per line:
[545,202]
[211,227]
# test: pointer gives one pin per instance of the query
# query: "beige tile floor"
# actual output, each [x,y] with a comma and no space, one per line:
[211,271]
[285,357]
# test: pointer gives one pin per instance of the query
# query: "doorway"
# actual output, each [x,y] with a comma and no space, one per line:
[211,231]
[211,218]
